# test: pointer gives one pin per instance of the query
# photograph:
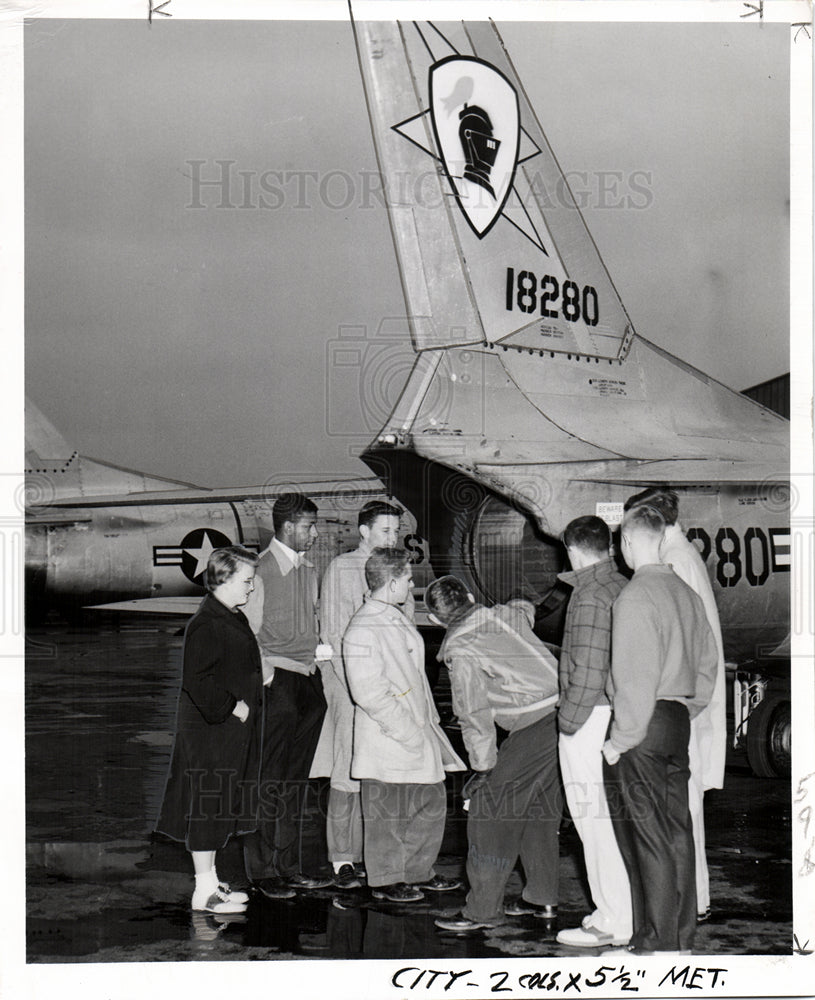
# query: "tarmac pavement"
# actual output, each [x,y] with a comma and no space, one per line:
[100,708]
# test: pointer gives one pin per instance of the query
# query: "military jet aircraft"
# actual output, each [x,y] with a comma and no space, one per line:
[98,535]
[531,400]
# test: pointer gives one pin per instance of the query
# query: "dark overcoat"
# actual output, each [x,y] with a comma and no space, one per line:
[212,785]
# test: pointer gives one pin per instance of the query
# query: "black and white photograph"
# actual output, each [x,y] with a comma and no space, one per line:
[412,557]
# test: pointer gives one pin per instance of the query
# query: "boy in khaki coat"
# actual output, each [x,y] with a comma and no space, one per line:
[400,752]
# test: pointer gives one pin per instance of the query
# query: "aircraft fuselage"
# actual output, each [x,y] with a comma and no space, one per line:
[135,549]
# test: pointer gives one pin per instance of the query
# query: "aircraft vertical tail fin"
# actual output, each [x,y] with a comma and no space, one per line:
[491,243]
[54,470]
[44,445]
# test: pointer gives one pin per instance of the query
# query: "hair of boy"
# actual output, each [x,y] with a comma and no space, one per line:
[291,507]
[662,499]
[377,508]
[589,533]
[446,597]
[644,518]
[384,564]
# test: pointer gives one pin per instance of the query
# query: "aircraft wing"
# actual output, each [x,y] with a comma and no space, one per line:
[153,605]
[189,605]
[57,518]
[351,488]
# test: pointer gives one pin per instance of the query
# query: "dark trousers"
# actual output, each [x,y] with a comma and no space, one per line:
[404,827]
[294,707]
[516,813]
[647,792]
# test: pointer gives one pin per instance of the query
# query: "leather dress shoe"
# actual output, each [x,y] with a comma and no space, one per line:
[458,922]
[275,888]
[439,883]
[301,881]
[347,878]
[520,908]
[399,892]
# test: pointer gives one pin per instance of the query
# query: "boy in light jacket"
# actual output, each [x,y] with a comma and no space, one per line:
[400,752]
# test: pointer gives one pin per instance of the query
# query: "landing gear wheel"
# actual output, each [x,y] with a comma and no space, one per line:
[769,737]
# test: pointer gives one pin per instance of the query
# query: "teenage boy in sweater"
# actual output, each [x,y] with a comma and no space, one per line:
[708,730]
[282,613]
[663,671]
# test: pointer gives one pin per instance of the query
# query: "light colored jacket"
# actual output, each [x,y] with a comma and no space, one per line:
[499,672]
[397,736]
[710,726]
[342,594]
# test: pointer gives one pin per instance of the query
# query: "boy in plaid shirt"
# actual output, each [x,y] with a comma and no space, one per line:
[583,718]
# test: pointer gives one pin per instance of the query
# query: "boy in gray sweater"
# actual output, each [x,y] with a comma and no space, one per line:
[663,669]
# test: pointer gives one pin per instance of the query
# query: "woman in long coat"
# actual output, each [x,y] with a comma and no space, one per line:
[211,792]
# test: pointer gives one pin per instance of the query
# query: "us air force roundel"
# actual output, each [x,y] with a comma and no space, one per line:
[192,555]
[476,122]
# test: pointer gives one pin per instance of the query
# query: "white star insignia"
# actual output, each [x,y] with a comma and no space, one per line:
[202,554]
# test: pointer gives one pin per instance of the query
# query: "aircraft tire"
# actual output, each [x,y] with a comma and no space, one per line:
[769,737]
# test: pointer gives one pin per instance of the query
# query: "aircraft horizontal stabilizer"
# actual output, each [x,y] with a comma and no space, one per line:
[362,488]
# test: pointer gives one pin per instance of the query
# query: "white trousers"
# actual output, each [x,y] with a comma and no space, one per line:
[581,764]
[696,804]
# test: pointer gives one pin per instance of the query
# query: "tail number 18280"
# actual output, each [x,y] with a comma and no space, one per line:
[574,303]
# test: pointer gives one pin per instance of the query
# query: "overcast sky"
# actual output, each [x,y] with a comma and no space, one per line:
[196,342]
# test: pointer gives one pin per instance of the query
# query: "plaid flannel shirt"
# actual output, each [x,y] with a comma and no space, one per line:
[585,659]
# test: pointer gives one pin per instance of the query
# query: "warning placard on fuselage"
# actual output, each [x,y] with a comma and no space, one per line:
[611,513]
[608,386]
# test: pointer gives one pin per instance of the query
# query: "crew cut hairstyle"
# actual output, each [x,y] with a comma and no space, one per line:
[660,498]
[377,508]
[384,564]
[445,598]
[224,563]
[589,533]
[644,518]
[290,507]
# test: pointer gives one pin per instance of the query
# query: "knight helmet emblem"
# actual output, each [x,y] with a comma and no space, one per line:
[475,115]
[479,145]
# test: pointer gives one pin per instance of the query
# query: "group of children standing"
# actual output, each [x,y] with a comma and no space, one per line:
[613,720]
